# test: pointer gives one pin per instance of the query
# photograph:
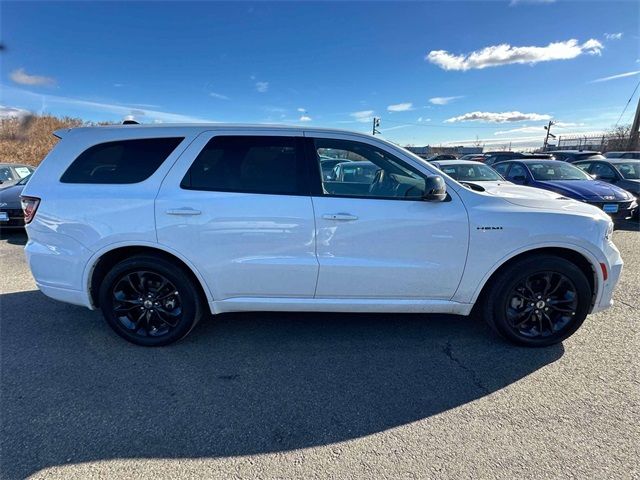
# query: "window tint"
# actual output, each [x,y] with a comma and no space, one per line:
[603,171]
[502,168]
[517,172]
[123,161]
[365,171]
[249,164]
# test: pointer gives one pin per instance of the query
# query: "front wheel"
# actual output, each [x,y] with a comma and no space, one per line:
[150,301]
[538,301]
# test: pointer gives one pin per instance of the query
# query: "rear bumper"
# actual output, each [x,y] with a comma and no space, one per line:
[57,265]
[75,297]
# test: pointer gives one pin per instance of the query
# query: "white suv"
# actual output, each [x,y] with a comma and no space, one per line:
[160,225]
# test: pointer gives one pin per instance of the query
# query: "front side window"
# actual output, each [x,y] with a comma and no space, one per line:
[517,173]
[630,171]
[122,161]
[603,171]
[249,164]
[365,171]
[584,166]
[502,168]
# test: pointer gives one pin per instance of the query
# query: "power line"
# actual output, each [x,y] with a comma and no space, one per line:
[628,102]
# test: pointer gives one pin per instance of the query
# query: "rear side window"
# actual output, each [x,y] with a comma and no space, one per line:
[122,161]
[249,164]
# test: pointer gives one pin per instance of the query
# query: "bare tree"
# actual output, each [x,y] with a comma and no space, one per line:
[618,138]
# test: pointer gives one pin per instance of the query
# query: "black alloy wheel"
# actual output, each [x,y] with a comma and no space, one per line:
[542,304]
[538,301]
[150,301]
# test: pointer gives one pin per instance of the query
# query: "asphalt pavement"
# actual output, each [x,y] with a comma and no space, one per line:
[299,395]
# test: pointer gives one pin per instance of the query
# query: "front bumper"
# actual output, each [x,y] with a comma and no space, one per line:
[614,265]
[625,210]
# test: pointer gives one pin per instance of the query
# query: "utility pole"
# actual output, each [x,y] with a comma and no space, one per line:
[549,134]
[633,134]
[376,124]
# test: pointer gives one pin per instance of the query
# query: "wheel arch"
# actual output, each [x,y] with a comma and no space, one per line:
[102,261]
[581,259]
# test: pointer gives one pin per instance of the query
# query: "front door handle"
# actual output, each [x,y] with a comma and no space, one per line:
[339,216]
[183,211]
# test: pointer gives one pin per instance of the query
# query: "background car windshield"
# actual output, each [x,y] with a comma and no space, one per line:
[630,171]
[471,173]
[24,180]
[556,171]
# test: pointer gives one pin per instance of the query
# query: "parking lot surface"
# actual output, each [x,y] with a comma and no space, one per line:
[314,395]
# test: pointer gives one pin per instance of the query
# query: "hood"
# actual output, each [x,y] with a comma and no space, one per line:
[539,198]
[510,190]
[10,197]
[593,190]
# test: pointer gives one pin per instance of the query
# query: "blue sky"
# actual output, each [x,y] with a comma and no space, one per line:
[434,72]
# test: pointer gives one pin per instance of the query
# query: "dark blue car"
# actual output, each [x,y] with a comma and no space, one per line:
[570,181]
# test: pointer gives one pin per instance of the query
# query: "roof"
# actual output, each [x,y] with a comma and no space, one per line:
[444,163]
[616,160]
[216,126]
[578,152]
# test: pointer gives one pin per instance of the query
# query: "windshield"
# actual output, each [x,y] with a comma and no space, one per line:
[556,171]
[471,173]
[630,171]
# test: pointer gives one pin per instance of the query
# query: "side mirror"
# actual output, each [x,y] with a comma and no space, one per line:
[435,190]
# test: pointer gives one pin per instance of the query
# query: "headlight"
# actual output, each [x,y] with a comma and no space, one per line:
[609,232]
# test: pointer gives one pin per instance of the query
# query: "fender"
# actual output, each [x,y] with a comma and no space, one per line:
[592,257]
[95,257]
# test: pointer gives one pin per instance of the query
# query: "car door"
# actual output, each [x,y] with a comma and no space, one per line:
[237,205]
[380,239]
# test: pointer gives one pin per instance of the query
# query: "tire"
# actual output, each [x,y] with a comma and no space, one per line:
[127,289]
[516,307]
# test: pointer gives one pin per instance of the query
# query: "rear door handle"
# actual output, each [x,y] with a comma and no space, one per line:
[339,216]
[183,211]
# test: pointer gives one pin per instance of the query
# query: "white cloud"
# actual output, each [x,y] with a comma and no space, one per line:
[12,112]
[262,86]
[305,118]
[505,54]
[444,100]
[423,119]
[498,117]
[363,116]
[302,110]
[118,85]
[615,77]
[400,107]
[613,36]
[23,78]
[219,96]
[34,101]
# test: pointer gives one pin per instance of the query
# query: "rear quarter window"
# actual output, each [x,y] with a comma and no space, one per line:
[122,161]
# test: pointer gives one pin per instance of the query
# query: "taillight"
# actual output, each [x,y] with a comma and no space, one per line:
[29,207]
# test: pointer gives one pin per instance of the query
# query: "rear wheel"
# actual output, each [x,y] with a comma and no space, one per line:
[538,301]
[150,301]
